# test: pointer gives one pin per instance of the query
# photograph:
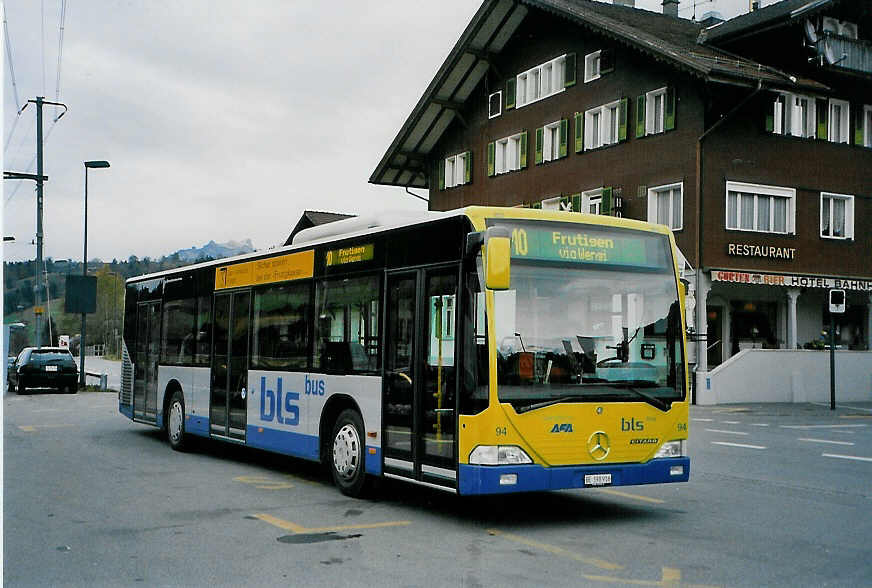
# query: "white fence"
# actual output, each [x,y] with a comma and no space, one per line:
[785,375]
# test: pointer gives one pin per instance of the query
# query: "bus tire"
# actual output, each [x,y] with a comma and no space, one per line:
[175,422]
[347,454]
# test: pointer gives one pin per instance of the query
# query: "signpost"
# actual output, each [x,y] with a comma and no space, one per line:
[837,306]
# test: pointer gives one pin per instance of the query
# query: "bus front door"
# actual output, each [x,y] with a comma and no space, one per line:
[147,352]
[420,376]
[229,394]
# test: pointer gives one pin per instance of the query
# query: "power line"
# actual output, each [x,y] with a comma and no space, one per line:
[63,17]
[9,59]
[42,39]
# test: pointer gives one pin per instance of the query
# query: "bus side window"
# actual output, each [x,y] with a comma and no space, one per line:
[280,334]
[203,330]
[474,392]
[346,325]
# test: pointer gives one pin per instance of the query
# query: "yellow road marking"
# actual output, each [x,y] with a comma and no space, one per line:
[669,577]
[553,549]
[33,428]
[728,410]
[295,528]
[633,496]
[263,482]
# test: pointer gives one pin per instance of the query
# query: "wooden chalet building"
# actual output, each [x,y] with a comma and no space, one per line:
[750,138]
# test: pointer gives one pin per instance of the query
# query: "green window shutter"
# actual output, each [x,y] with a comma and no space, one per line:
[467,173]
[607,61]
[540,143]
[579,132]
[770,120]
[491,152]
[640,116]
[606,205]
[859,113]
[510,93]
[569,76]
[669,122]
[622,119]
[441,168]
[564,131]
[576,202]
[522,163]
[822,108]
[537,205]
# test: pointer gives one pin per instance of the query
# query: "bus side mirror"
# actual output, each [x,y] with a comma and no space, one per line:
[498,245]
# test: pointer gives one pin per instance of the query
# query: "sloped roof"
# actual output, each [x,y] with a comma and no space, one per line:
[774,15]
[667,39]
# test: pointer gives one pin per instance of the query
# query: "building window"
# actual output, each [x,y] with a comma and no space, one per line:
[495,104]
[665,205]
[867,126]
[766,209]
[551,147]
[837,216]
[794,114]
[601,125]
[592,201]
[839,116]
[540,82]
[508,154]
[455,170]
[655,102]
[591,66]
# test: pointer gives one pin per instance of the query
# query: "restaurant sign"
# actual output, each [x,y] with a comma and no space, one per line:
[791,281]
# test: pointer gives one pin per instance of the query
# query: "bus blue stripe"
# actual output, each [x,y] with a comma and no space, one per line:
[475,479]
[286,442]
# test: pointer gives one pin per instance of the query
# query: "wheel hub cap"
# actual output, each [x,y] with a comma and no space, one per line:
[346,451]
[176,421]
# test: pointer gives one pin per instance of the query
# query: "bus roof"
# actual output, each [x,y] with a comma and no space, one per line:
[365,225]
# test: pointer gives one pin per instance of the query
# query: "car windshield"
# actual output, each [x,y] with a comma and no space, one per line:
[50,356]
[579,332]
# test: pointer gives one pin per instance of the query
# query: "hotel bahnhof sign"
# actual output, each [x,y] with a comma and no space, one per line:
[790,281]
[294,266]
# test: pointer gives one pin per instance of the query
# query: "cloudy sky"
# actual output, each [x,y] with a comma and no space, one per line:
[222,120]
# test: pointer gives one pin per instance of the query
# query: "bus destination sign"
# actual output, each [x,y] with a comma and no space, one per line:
[581,244]
[353,254]
[283,268]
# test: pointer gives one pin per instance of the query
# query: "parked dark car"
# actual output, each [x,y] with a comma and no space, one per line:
[46,367]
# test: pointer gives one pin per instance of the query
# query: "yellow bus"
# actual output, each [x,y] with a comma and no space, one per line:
[476,351]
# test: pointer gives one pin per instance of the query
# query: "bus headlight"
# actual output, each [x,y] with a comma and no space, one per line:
[672,449]
[498,455]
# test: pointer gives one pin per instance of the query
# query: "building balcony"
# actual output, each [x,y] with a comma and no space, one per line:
[844,53]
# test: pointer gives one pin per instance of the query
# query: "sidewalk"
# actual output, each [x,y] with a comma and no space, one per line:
[103,366]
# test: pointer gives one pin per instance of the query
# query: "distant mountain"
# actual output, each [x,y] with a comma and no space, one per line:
[215,250]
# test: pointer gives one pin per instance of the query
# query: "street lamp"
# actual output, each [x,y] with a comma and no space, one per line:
[88,165]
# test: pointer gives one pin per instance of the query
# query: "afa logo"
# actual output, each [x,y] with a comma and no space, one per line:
[562,428]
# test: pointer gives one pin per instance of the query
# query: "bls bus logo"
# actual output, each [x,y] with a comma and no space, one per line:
[315,387]
[273,407]
[632,425]
[562,428]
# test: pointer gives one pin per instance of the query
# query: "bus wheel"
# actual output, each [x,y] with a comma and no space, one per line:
[176,422]
[347,455]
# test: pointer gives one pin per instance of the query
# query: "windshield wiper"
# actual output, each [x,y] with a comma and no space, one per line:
[634,385]
[568,398]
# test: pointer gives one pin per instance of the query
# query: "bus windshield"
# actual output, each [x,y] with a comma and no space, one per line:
[590,332]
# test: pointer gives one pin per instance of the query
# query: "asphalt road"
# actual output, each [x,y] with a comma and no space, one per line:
[780,495]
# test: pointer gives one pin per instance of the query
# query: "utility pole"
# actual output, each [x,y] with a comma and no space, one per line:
[40,179]
[39,102]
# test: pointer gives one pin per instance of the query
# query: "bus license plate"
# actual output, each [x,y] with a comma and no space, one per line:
[597,479]
[51,368]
